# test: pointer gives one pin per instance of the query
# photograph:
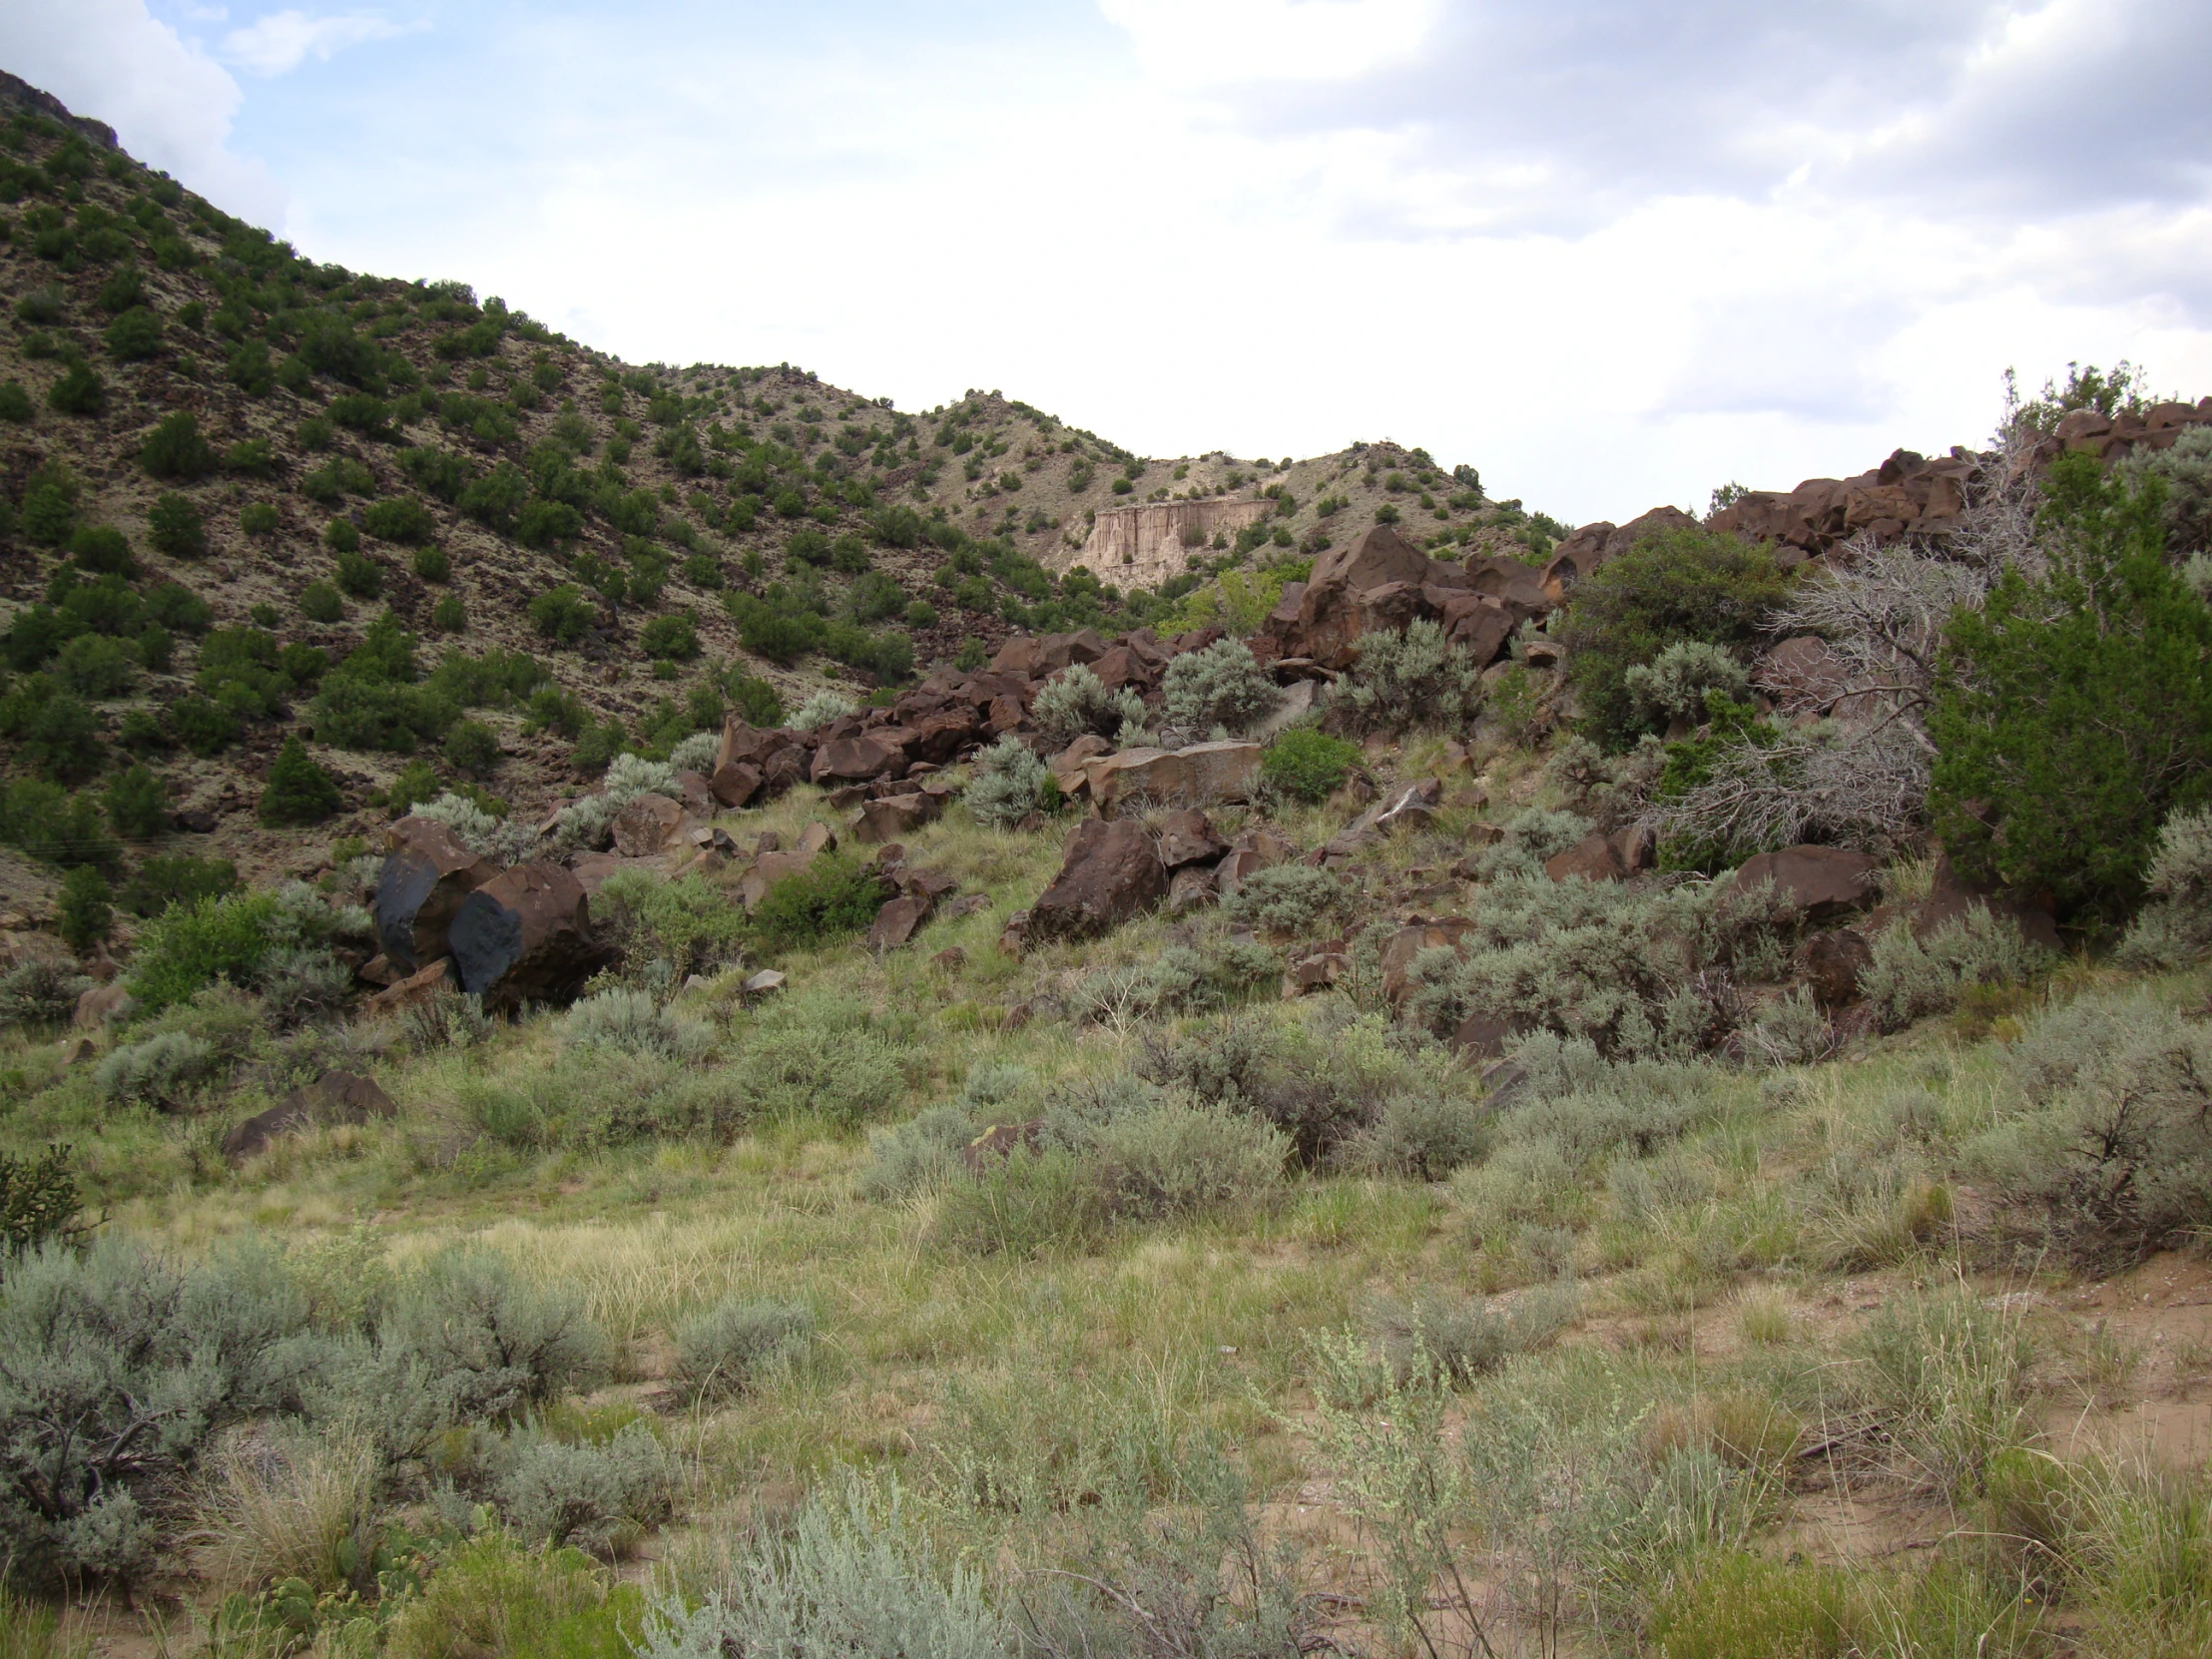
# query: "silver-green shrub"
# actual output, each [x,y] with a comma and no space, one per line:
[590,1496]
[2175,928]
[1223,685]
[1075,702]
[1008,784]
[1912,977]
[724,1349]
[494,1340]
[855,1576]
[1416,679]
[1672,686]
[820,710]
[634,1023]
[1286,899]
[2114,1144]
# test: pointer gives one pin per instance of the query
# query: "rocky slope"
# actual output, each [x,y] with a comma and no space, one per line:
[449,460]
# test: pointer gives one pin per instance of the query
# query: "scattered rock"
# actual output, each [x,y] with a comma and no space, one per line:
[890,817]
[525,936]
[898,920]
[338,1097]
[1109,874]
[1592,858]
[99,1004]
[1014,939]
[426,875]
[1316,972]
[765,983]
[949,960]
[647,825]
[735,785]
[1188,838]
[1820,882]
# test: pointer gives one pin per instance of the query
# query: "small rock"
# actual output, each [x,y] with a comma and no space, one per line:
[1592,858]
[100,1005]
[949,960]
[765,983]
[897,921]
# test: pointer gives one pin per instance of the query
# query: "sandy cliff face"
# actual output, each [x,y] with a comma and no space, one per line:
[1142,546]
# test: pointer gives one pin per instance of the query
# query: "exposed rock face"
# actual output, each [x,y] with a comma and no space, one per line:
[1186,838]
[1110,873]
[887,818]
[647,825]
[1144,545]
[428,873]
[898,920]
[1204,774]
[1592,858]
[338,1097]
[525,936]
[1821,881]
[857,760]
[1831,963]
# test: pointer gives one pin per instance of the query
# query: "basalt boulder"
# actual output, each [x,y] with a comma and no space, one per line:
[427,872]
[1110,873]
[526,936]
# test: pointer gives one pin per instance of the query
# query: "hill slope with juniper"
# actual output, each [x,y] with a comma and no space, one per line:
[1428,1085]
[248,496]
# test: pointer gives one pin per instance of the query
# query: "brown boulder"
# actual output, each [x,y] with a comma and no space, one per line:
[338,1097]
[858,759]
[1592,858]
[1188,838]
[1831,963]
[735,785]
[647,825]
[525,936]
[898,920]
[1377,557]
[1110,873]
[1821,881]
[1071,767]
[1254,850]
[1204,774]
[888,818]
[697,793]
[936,738]
[427,872]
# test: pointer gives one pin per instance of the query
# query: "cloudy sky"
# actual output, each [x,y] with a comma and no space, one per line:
[1613,253]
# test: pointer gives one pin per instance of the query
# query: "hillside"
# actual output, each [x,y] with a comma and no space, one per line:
[462,461]
[580,1079]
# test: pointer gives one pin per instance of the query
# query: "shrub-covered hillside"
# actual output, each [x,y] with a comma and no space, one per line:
[227,469]
[1376,1103]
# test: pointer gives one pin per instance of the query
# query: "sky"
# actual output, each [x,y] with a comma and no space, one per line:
[1610,252]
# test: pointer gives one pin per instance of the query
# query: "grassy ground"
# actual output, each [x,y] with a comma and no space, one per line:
[1783,1382]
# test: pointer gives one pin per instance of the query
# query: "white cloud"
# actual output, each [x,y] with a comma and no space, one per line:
[1202,42]
[284,40]
[169,102]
